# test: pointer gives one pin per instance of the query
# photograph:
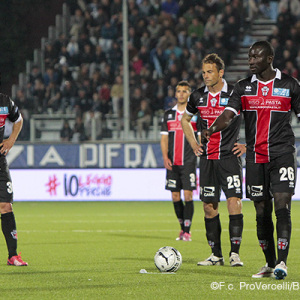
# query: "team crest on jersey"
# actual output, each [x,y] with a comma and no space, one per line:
[179,117]
[4,110]
[194,118]
[281,92]
[224,101]
[282,244]
[265,91]
[213,102]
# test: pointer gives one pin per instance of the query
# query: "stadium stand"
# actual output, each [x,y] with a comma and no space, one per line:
[77,73]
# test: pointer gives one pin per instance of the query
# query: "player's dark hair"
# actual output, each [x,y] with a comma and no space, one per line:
[184,83]
[214,58]
[268,48]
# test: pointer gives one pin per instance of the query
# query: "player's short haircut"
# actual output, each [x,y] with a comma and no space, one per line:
[268,48]
[184,83]
[214,58]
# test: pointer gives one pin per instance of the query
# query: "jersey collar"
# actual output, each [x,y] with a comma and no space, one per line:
[278,76]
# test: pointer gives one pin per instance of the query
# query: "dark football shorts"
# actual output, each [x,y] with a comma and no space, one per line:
[6,190]
[277,176]
[181,178]
[217,174]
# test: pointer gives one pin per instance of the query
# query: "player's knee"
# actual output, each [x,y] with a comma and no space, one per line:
[282,200]
[210,210]
[234,205]
[5,207]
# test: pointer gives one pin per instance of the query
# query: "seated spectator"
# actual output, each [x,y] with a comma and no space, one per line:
[52,97]
[143,117]
[169,100]
[78,131]
[66,132]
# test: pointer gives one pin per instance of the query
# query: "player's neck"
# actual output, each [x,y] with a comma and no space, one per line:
[181,106]
[266,75]
[216,88]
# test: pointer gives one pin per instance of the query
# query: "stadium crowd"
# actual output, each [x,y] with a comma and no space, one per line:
[166,41]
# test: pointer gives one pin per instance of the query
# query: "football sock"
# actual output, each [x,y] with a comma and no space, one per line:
[213,234]
[9,230]
[284,228]
[235,232]
[265,229]
[188,215]
[179,208]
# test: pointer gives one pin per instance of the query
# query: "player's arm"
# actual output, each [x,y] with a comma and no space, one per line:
[239,149]
[164,141]
[189,134]
[221,123]
[7,144]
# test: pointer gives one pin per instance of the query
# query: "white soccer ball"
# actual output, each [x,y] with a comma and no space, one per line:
[167,259]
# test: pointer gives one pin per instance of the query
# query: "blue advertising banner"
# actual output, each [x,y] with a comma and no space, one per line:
[113,155]
[90,155]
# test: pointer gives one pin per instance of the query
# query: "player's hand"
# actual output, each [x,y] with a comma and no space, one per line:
[198,150]
[168,164]
[205,136]
[6,145]
[239,149]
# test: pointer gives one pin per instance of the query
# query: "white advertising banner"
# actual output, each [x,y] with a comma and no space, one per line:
[95,185]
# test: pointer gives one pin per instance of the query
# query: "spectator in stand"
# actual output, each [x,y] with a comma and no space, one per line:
[76,23]
[91,117]
[34,74]
[68,96]
[108,35]
[170,100]
[117,94]
[290,69]
[73,50]
[143,117]
[83,103]
[39,96]
[50,56]
[25,107]
[52,97]
[195,32]
[66,132]
[159,92]
[171,7]
[78,134]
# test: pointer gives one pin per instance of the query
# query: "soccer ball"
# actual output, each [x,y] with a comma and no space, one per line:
[167,259]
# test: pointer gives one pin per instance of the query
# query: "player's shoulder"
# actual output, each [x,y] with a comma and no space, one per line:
[289,78]
[198,92]
[4,96]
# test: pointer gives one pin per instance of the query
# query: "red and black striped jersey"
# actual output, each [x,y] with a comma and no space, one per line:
[8,110]
[210,106]
[267,108]
[179,149]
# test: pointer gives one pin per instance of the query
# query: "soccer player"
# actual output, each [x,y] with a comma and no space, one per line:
[9,110]
[267,99]
[179,160]
[220,163]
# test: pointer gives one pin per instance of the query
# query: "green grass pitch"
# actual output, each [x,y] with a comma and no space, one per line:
[95,250]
